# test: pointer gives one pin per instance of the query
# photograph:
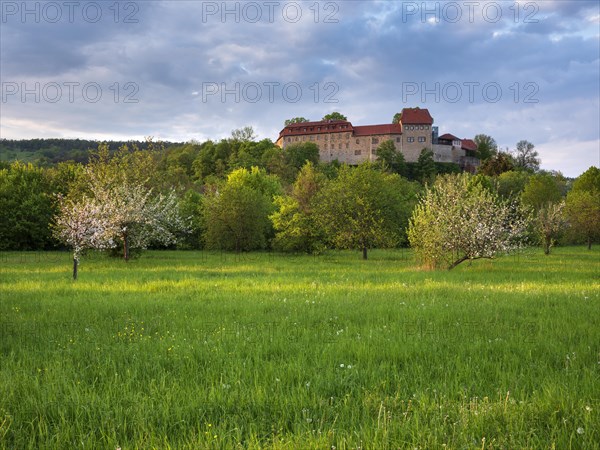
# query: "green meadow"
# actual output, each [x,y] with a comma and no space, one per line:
[200,350]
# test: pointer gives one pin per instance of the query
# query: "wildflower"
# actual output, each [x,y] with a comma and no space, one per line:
[580,430]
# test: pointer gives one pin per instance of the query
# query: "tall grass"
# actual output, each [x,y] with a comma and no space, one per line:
[215,351]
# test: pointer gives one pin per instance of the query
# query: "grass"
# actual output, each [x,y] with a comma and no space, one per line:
[217,351]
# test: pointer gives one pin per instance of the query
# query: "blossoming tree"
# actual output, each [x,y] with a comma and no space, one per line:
[458,220]
[82,225]
[112,206]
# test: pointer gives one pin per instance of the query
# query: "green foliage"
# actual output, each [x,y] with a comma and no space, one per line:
[294,221]
[295,120]
[480,181]
[236,214]
[495,165]
[541,189]
[583,206]
[512,183]
[486,146]
[245,134]
[588,181]
[425,168]
[396,118]
[50,152]
[364,208]
[177,164]
[190,209]
[446,168]
[27,206]
[390,158]
[296,155]
[334,116]
[213,159]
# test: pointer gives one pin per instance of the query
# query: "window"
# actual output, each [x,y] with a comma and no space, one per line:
[318,128]
[422,139]
[358,141]
[318,137]
[296,138]
[312,138]
[325,146]
[427,127]
[374,140]
[303,138]
[304,129]
[357,152]
[410,139]
[421,127]
[397,139]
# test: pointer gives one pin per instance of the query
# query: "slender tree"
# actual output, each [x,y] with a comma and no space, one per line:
[550,222]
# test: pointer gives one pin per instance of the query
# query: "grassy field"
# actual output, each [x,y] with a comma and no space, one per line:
[217,351]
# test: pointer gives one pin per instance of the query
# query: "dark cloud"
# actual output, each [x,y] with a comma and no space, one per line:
[172,53]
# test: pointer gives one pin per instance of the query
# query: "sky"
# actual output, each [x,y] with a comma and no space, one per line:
[191,70]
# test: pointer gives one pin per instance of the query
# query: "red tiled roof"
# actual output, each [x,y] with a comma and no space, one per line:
[448,137]
[468,144]
[323,126]
[408,116]
[416,116]
[367,130]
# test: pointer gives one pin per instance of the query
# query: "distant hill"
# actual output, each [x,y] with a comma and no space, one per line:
[48,152]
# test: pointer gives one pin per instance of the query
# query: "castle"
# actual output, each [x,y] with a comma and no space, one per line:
[414,131]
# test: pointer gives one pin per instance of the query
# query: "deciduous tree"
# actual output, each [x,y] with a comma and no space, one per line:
[391,158]
[541,189]
[486,146]
[583,205]
[334,116]
[457,220]
[296,120]
[364,208]
[526,158]
[550,222]
[495,165]
[425,168]
[83,224]
[294,221]
[236,213]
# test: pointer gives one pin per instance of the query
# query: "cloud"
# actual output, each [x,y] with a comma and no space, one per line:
[158,63]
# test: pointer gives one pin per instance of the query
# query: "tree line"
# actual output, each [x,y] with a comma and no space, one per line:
[241,194]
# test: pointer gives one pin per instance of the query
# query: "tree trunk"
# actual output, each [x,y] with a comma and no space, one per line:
[125,248]
[364,252]
[589,243]
[75,263]
[547,246]
[457,262]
